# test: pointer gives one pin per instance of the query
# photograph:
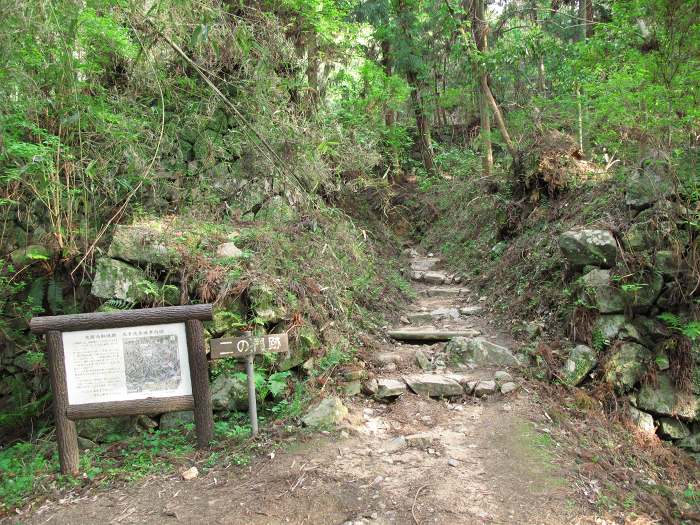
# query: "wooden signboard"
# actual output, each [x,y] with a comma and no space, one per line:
[148,361]
[247,347]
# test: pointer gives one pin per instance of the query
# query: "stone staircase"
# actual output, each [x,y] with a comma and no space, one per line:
[435,334]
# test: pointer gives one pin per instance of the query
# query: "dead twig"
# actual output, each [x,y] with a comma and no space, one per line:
[413,507]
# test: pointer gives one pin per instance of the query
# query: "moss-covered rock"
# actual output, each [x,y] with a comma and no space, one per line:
[597,291]
[29,254]
[264,304]
[580,362]
[300,350]
[100,430]
[118,280]
[327,413]
[143,244]
[648,184]
[691,442]
[582,247]
[616,326]
[672,428]
[229,392]
[626,366]
[664,399]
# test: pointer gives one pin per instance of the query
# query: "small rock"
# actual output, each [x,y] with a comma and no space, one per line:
[508,387]
[190,473]
[643,421]
[502,377]
[484,388]
[403,319]
[395,445]
[422,360]
[229,249]
[453,462]
[390,388]
[582,359]
[370,387]
[328,412]
[390,367]
[352,388]
[469,386]
[418,440]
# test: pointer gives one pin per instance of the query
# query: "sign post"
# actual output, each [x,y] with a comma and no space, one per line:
[247,347]
[148,361]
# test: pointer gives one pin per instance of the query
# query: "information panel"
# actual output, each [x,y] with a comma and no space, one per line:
[121,364]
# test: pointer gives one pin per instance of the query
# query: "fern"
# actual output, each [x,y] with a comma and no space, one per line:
[54,296]
[691,329]
[118,304]
[37,292]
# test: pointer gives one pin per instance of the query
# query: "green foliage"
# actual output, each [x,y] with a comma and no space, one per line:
[690,329]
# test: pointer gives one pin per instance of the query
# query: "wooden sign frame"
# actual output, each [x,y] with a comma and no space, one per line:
[66,414]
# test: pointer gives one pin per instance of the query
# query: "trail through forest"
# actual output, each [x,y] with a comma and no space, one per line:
[414,459]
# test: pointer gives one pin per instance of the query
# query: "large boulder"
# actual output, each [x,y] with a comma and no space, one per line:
[143,244]
[582,359]
[664,399]
[327,413]
[627,365]
[433,385]
[582,247]
[229,392]
[649,184]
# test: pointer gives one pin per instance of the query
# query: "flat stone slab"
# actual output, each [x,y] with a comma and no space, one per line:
[419,317]
[471,310]
[433,385]
[387,388]
[445,292]
[424,264]
[430,334]
[484,388]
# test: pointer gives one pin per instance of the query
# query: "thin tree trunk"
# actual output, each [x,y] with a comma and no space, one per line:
[499,117]
[389,116]
[422,124]
[481,40]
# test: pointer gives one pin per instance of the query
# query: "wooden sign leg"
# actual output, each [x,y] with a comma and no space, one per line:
[199,371]
[66,435]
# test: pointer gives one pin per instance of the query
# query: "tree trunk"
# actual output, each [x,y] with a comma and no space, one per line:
[389,116]
[481,39]
[499,117]
[422,124]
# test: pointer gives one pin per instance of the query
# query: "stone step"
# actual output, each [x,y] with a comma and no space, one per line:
[430,334]
[424,264]
[432,277]
[439,314]
[446,292]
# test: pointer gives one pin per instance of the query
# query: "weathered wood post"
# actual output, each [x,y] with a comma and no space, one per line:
[199,371]
[66,434]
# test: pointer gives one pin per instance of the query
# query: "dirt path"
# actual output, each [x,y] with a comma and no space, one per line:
[411,460]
